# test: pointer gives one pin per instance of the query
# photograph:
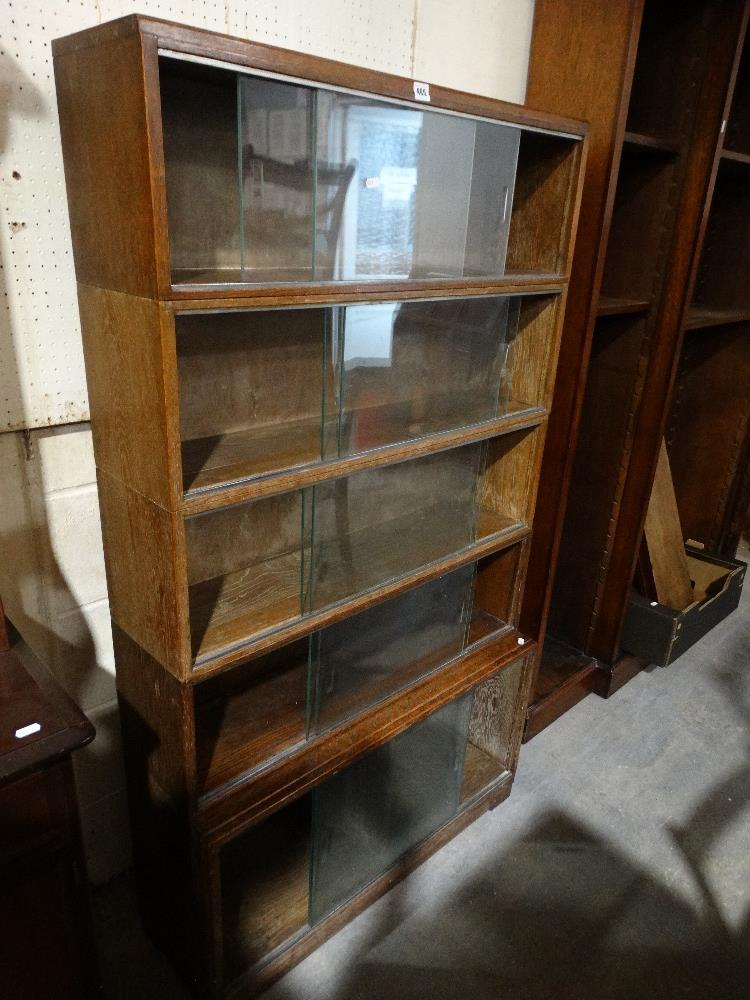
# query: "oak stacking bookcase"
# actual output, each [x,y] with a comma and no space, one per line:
[321,311]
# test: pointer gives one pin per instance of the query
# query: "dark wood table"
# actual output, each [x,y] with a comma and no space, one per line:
[46,938]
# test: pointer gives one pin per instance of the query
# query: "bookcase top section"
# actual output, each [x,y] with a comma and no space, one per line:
[242,52]
[201,166]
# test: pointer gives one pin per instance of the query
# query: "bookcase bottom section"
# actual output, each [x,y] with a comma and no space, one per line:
[265,892]
[254,980]
[288,873]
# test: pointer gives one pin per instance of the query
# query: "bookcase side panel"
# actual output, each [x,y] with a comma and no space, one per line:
[557,81]
[101,97]
[156,715]
[146,575]
[130,369]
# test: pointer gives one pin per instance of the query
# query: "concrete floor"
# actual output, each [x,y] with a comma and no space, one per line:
[619,869]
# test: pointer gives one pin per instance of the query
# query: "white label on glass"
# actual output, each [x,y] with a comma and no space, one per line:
[397,183]
[421,91]
[29,730]
[369,335]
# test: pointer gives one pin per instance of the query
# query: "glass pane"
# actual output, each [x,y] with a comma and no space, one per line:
[234,421]
[262,564]
[265,875]
[354,378]
[247,569]
[369,814]
[366,658]
[380,524]
[270,181]
[277,184]
[416,368]
[429,194]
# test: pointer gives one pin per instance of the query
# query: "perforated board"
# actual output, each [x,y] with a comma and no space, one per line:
[42,378]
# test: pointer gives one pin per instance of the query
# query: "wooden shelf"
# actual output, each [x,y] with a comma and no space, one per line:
[280,850]
[234,467]
[637,142]
[244,604]
[721,285]
[621,307]
[232,616]
[729,156]
[565,676]
[641,209]
[252,718]
[233,277]
[197,502]
[213,292]
[254,451]
[483,627]
[708,432]
[559,664]
[480,770]
[220,276]
[668,76]
[700,317]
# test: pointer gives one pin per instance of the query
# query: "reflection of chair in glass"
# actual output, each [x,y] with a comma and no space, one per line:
[282,229]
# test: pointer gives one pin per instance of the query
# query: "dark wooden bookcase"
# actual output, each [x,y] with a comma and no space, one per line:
[321,319]
[708,433]
[652,78]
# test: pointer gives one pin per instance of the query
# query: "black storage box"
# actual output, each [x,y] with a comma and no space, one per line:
[657,634]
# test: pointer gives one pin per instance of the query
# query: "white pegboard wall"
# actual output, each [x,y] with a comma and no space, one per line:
[377,35]
[42,379]
[478,46]
[41,370]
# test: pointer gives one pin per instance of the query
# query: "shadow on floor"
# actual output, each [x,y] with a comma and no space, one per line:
[556,911]
[561,915]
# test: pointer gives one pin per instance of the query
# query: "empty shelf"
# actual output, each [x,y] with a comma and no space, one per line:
[560,665]
[480,771]
[185,277]
[279,448]
[227,609]
[704,316]
[729,156]
[239,731]
[621,307]
[639,142]
[250,452]
[235,608]
[363,560]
